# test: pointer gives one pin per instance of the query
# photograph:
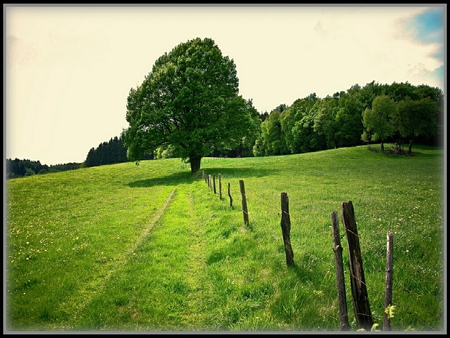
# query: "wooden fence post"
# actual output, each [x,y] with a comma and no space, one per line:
[214,183]
[358,283]
[388,291]
[244,202]
[339,267]
[220,187]
[286,229]
[229,195]
[210,181]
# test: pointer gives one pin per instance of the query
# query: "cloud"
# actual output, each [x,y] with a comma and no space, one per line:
[425,28]
[419,74]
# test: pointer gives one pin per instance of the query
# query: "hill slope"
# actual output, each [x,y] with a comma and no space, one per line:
[148,247]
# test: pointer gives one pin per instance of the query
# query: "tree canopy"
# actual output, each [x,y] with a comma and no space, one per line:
[190,101]
[416,118]
[378,120]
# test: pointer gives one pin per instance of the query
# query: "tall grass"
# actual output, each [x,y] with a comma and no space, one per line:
[151,248]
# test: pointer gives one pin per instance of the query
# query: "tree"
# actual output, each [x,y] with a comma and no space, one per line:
[274,134]
[416,118]
[325,124]
[349,120]
[378,120]
[189,100]
[92,158]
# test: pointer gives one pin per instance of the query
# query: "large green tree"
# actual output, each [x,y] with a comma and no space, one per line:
[190,101]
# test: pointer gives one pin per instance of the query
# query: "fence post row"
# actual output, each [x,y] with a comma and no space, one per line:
[388,291]
[361,305]
[211,181]
[244,202]
[339,266]
[286,228]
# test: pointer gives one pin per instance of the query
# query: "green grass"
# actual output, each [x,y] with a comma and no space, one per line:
[151,248]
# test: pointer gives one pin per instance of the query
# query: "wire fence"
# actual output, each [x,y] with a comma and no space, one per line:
[378,254]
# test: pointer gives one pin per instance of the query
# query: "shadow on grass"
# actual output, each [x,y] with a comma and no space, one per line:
[416,151]
[241,172]
[183,177]
[304,271]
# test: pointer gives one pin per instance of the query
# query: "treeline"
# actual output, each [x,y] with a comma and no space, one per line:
[402,113]
[20,168]
[109,153]
[348,119]
[106,153]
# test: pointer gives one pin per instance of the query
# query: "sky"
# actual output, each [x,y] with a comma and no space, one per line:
[68,69]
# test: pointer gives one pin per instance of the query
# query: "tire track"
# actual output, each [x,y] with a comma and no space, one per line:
[200,295]
[84,295]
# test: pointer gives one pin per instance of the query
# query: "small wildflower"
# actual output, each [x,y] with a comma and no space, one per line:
[390,310]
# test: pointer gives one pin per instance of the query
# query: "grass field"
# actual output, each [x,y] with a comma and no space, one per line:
[151,248]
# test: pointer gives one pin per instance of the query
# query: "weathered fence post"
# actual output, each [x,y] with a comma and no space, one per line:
[220,187]
[229,195]
[286,228]
[388,291]
[210,182]
[358,283]
[214,183]
[244,202]
[339,266]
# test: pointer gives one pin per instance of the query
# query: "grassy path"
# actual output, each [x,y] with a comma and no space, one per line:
[85,294]
[163,285]
[199,298]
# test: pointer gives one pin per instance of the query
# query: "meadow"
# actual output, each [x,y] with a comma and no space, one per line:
[150,247]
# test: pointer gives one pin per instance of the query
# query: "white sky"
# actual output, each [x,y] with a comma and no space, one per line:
[68,70]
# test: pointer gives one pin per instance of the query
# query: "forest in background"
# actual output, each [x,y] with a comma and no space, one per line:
[309,124]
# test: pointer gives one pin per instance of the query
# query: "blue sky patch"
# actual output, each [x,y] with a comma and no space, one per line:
[429,26]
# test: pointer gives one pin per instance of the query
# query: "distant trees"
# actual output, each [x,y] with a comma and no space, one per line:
[15,168]
[20,168]
[416,118]
[107,153]
[371,113]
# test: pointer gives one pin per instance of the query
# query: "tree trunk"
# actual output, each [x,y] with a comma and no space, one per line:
[410,147]
[195,163]
[382,147]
